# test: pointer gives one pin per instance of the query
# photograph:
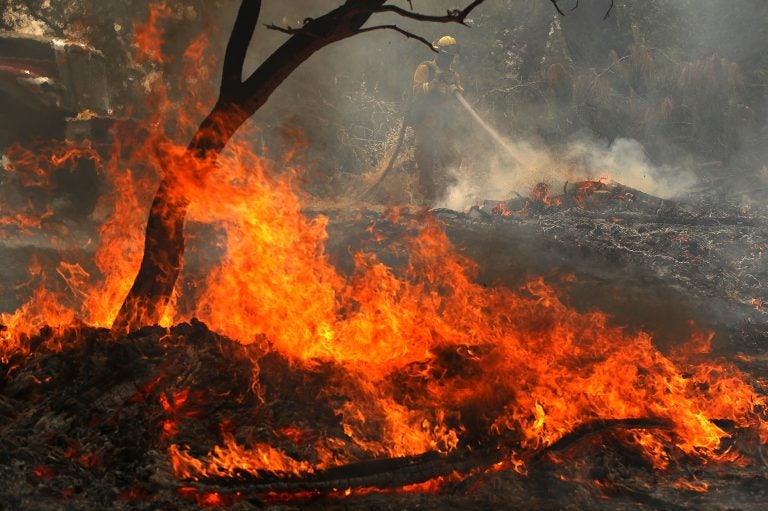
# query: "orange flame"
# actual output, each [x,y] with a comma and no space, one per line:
[148,39]
[499,363]
[544,367]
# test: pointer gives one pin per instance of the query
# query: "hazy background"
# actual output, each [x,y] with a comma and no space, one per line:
[665,95]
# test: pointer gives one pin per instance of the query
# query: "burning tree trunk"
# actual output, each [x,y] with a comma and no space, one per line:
[238,100]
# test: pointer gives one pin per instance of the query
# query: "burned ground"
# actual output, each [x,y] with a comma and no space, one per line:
[88,427]
[663,95]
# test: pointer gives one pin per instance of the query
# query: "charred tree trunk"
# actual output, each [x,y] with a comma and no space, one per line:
[164,237]
[238,100]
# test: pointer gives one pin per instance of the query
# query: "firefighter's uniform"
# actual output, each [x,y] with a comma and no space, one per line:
[435,120]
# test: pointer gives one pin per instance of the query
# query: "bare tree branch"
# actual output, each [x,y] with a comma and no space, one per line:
[237,46]
[407,34]
[557,8]
[410,35]
[608,13]
[291,30]
[452,16]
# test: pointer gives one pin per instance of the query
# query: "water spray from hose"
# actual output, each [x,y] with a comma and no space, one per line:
[504,143]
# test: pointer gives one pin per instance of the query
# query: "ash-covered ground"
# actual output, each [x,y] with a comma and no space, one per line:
[651,263]
[89,427]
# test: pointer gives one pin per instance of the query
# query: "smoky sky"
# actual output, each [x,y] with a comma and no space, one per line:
[383,63]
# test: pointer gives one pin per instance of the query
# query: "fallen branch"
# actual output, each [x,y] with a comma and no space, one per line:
[391,473]
[593,428]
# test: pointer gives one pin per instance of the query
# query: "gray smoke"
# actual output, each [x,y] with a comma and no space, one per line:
[519,165]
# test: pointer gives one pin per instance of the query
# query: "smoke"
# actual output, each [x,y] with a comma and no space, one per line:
[642,123]
[518,165]
[626,162]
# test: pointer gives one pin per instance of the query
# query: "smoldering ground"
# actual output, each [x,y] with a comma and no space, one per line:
[578,118]
[518,166]
[667,97]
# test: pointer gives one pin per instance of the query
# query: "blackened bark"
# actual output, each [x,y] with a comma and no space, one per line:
[238,100]
[164,242]
[164,238]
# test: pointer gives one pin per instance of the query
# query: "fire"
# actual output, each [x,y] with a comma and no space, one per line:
[433,359]
[70,290]
[208,499]
[539,367]
[149,36]
[233,458]
[694,486]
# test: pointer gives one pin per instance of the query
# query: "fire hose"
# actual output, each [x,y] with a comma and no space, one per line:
[504,144]
[395,153]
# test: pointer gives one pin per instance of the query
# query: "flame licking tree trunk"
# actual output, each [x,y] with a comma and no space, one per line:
[238,100]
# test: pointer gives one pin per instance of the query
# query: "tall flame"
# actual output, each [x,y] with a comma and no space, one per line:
[490,361]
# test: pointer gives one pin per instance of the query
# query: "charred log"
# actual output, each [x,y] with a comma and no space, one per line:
[100,414]
[393,473]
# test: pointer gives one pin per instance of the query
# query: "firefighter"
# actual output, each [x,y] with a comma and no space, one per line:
[435,120]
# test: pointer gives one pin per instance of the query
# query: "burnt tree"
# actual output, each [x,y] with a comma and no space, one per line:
[238,100]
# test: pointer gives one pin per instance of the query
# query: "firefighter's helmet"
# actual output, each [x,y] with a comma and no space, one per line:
[446,44]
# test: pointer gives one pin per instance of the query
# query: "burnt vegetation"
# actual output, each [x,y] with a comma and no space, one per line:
[121,417]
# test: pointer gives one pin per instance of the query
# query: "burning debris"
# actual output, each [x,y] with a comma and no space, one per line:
[185,417]
[93,426]
[374,359]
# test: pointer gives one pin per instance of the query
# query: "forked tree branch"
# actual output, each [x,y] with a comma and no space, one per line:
[409,35]
[237,46]
[351,8]
[453,16]
[608,12]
